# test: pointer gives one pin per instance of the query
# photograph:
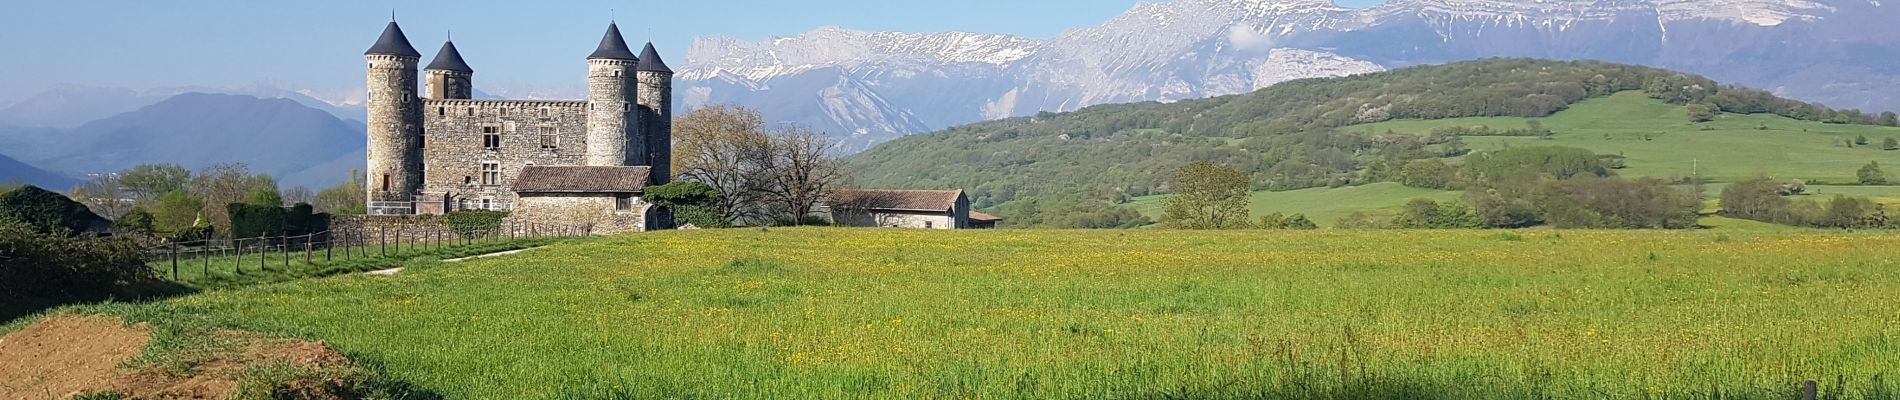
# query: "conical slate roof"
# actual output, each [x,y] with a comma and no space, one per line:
[650,61]
[612,46]
[393,43]
[449,59]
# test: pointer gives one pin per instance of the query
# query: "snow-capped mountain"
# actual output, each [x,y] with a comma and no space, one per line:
[868,87]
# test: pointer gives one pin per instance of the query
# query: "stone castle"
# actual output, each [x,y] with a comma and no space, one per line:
[441,150]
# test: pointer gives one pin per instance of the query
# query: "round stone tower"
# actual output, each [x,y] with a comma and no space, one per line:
[656,113]
[395,123]
[610,97]
[448,76]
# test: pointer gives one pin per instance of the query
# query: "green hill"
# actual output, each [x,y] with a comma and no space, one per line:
[1660,141]
[1324,206]
[1311,133]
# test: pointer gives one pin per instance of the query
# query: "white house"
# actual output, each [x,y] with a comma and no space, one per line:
[923,209]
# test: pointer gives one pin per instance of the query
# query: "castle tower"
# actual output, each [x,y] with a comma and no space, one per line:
[448,77]
[655,94]
[610,96]
[395,122]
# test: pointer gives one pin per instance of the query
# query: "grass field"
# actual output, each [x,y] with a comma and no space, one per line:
[1324,206]
[865,313]
[1661,142]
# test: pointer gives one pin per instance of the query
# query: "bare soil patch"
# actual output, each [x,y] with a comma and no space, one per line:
[63,355]
[58,357]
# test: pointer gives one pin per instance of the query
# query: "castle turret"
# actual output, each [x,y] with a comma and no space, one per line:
[610,97]
[448,77]
[655,94]
[395,123]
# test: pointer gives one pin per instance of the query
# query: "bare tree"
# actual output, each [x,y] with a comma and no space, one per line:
[724,147]
[222,184]
[799,171]
[299,194]
[347,198]
[104,195]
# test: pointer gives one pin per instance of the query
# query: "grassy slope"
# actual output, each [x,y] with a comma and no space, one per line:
[1735,150]
[1323,205]
[843,313]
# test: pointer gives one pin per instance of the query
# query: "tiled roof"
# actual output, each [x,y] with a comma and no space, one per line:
[978,216]
[899,200]
[582,179]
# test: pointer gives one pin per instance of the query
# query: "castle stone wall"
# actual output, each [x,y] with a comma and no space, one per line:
[656,123]
[395,122]
[454,146]
[611,118]
[593,210]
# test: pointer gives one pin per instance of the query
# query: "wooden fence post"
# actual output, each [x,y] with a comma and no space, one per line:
[307,247]
[384,232]
[207,257]
[237,258]
[263,249]
[285,245]
[174,261]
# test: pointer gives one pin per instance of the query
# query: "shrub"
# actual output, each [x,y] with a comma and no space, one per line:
[1872,175]
[1617,203]
[475,222]
[1430,214]
[136,221]
[1287,222]
[46,212]
[1360,220]
[41,268]
[691,202]
[251,220]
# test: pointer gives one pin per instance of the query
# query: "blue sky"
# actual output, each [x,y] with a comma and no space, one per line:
[319,44]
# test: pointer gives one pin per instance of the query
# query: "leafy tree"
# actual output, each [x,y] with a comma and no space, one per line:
[725,147]
[347,198]
[264,197]
[1757,199]
[1860,140]
[136,221]
[1701,112]
[1890,144]
[176,211]
[1430,214]
[1207,196]
[1069,212]
[1888,119]
[1617,203]
[1872,175]
[148,181]
[1429,174]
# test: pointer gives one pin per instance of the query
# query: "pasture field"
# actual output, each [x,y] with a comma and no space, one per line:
[1324,206]
[871,313]
[1661,142]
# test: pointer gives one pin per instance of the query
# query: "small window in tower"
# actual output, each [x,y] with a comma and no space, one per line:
[385,182]
[616,73]
[471,111]
[486,205]
[422,141]
[549,140]
[491,174]
[441,112]
[544,112]
[408,95]
[626,106]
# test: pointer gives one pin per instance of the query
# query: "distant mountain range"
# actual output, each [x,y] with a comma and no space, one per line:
[13,171]
[298,144]
[869,87]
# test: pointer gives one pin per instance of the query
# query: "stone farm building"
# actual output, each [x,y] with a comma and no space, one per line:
[926,209]
[581,162]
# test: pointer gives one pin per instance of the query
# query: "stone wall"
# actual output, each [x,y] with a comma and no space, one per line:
[892,219]
[593,210]
[453,147]
[444,84]
[429,228]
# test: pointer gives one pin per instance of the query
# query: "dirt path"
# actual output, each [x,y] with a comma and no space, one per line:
[394,271]
[60,356]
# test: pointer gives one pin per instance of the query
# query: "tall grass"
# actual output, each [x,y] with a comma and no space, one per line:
[870,313]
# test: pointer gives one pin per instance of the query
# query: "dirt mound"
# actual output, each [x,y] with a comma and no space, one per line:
[60,356]
[63,355]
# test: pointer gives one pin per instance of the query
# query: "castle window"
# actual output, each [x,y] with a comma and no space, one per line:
[471,111]
[422,141]
[544,112]
[408,95]
[616,73]
[441,111]
[549,139]
[626,106]
[385,182]
[486,205]
[491,138]
[491,174]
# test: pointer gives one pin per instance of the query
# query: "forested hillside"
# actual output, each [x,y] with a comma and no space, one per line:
[1285,136]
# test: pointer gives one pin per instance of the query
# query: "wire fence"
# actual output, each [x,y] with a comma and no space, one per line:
[280,252]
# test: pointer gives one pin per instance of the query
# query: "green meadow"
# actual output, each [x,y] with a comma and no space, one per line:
[898,314]
[1324,206]
[1660,141]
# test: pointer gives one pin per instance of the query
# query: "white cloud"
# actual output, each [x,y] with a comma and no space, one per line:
[1245,39]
